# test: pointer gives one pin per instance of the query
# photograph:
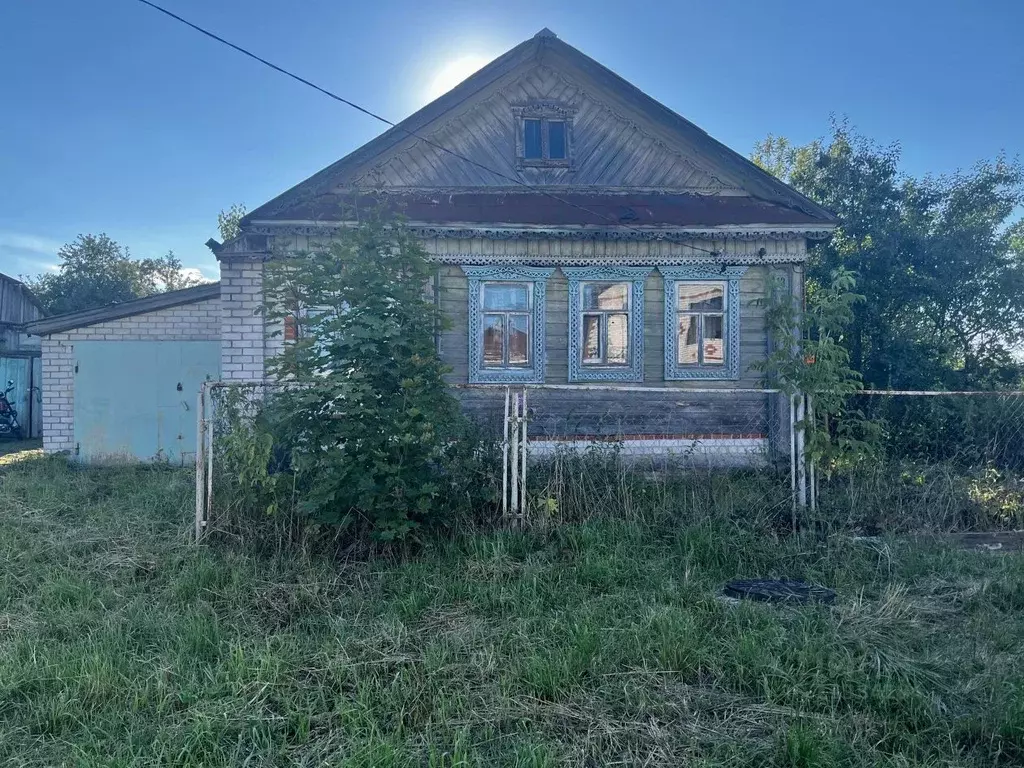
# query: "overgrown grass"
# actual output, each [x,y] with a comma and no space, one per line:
[596,642]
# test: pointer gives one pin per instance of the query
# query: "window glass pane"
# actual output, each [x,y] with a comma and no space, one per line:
[700,297]
[494,340]
[591,338]
[714,340]
[518,339]
[606,296]
[531,139]
[507,295]
[556,139]
[618,339]
[686,344]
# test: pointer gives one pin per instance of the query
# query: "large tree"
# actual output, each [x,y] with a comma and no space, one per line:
[938,259]
[95,270]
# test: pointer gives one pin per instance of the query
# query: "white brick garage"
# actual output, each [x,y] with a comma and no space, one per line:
[122,380]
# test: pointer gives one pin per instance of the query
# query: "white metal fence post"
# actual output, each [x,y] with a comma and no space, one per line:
[201,480]
[514,457]
[792,454]
[524,450]
[810,457]
[801,455]
[504,456]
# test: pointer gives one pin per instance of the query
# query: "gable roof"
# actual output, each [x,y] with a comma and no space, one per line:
[158,301]
[544,48]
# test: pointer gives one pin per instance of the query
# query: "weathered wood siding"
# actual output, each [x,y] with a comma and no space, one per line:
[454,341]
[17,307]
[625,410]
[610,414]
[609,148]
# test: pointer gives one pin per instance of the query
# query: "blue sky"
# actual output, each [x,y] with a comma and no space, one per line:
[117,119]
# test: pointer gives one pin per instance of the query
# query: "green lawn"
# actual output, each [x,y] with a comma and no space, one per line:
[600,643]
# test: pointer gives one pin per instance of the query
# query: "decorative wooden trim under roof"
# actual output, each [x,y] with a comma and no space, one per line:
[680,235]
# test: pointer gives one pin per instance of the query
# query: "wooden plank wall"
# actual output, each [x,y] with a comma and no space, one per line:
[454,343]
[16,305]
[608,149]
[628,414]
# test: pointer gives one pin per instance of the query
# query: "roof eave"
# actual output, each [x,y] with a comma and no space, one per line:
[500,229]
[87,317]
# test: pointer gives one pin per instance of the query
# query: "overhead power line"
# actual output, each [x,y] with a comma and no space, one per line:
[413,134]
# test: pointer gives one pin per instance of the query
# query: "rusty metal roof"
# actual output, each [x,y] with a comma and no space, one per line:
[569,209]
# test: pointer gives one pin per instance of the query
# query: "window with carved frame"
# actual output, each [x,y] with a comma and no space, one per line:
[702,322]
[543,135]
[606,323]
[506,323]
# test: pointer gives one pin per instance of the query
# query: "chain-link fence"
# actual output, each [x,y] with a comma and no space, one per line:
[968,429]
[729,428]
[950,460]
[926,460]
[586,445]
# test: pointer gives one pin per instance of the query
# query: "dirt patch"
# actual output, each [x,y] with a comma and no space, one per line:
[12,451]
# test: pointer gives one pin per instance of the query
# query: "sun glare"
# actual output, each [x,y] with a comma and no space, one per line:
[452,73]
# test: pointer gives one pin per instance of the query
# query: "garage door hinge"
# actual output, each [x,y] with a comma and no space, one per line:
[78,448]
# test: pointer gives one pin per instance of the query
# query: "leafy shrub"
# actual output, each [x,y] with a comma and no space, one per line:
[361,421]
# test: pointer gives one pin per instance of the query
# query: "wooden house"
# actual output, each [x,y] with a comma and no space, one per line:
[590,244]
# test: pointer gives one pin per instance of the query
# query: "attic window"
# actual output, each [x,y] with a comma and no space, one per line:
[543,135]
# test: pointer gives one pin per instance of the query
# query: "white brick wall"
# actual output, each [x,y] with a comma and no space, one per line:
[246,339]
[200,321]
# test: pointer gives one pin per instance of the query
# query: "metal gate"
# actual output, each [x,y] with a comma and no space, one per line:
[135,399]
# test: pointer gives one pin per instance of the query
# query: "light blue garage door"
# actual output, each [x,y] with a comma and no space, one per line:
[137,399]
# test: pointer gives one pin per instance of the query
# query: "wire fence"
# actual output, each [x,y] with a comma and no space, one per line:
[952,457]
[573,436]
[966,429]
[729,428]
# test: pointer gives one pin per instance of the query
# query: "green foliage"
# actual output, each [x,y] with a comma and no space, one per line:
[229,222]
[245,458]
[95,271]
[937,258]
[375,438]
[809,357]
[985,430]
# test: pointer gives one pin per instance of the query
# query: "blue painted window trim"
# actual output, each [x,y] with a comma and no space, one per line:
[636,277]
[478,374]
[674,371]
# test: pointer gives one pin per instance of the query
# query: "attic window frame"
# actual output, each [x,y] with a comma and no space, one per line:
[545,112]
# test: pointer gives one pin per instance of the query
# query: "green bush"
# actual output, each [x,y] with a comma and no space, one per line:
[360,430]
